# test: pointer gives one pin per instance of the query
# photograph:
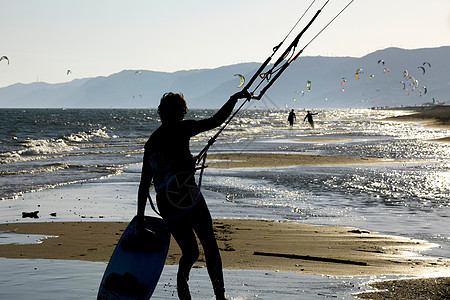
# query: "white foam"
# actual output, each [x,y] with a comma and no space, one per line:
[46,147]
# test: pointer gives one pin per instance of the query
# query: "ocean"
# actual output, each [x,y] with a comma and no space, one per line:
[97,153]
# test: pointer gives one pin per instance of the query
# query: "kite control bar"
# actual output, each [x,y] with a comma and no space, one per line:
[267,75]
[292,47]
[275,49]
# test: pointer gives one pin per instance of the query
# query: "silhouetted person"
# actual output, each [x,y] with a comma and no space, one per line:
[291,117]
[169,163]
[310,118]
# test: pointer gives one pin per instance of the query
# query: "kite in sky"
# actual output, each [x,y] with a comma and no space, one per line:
[359,71]
[242,80]
[4,57]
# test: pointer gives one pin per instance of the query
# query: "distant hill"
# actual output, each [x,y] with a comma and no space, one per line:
[209,88]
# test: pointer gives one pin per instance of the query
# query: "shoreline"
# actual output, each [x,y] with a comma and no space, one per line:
[434,116]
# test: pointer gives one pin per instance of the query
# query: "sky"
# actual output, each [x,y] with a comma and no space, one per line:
[43,39]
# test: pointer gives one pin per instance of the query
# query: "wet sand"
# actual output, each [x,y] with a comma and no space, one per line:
[241,160]
[248,244]
[422,288]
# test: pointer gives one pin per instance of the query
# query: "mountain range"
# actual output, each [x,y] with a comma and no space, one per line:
[377,84]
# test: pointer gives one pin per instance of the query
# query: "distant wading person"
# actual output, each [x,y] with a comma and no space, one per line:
[310,118]
[169,164]
[291,118]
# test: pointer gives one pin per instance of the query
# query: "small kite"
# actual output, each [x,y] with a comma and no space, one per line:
[308,85]
[423,69]
[406,74]
[381,61]
[359,71]
[303,93]
[242,78]
[4,57]
[342,83]
[386,70]
[426,63]
[69,72]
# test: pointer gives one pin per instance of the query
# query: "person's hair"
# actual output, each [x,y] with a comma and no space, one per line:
[172,107]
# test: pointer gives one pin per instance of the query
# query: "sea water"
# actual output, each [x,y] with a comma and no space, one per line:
[85,165]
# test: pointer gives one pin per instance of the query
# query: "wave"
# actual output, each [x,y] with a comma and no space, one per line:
[42,169]
[36,147]
[33,149]
[86,135]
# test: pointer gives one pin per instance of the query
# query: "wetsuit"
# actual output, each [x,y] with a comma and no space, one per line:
[310,118]
[170,164]
[291,118]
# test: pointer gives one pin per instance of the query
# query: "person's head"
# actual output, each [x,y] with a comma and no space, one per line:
[172,107]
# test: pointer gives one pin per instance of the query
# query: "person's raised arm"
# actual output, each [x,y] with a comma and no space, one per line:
[222,114]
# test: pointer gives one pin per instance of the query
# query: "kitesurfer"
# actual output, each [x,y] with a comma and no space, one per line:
[169,163]
[291,117]
[310,118]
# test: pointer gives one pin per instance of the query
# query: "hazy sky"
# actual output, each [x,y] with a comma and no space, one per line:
[45,38]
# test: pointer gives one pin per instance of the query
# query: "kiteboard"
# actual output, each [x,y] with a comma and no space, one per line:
[137,262]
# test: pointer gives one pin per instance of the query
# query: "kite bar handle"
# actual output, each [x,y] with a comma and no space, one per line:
[268,85]
[260,70]
[286,52]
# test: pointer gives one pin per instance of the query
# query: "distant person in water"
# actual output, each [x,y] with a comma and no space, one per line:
[310,118]
[169,164]
[291,117]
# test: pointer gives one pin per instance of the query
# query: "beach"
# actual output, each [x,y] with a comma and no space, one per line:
[259,244]
[249,243]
